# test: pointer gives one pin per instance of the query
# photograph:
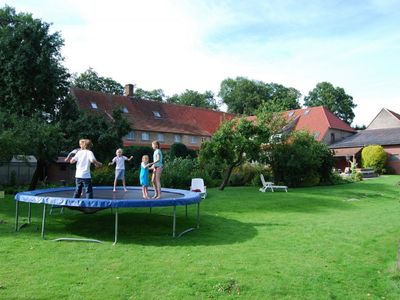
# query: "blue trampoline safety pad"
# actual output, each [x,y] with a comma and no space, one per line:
[104,197]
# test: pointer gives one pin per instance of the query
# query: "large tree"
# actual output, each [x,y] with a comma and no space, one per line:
[90,80]
[156,95]
[32,78]
[236,141]
[333,98]
[245,96]
[194,98]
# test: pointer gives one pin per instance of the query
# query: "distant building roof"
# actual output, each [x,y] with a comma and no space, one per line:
[317,120]
[154,116]
[385,119]
[384,137]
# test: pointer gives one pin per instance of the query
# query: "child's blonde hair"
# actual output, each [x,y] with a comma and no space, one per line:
[119,150]
[85,143]
[145,157]
[156,143]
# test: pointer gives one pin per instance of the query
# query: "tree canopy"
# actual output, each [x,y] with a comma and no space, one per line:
[90,80]
[245,96]
[157,94]
[235,142]
[194,98]
[32,78]
[333,98]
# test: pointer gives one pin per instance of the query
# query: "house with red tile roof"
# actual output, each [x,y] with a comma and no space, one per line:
[154,120]
[320,122]
[384,130]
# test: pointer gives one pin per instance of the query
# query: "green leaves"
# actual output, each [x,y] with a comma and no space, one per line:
[333,98]
[90,80]
[32,79]
[194,98]
[244,96]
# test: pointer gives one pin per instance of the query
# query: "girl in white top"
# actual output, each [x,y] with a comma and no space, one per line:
[119,161]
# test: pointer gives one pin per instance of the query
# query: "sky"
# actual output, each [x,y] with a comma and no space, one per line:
[195,44]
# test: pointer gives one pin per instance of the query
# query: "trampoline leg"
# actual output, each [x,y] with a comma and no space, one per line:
[186,210]
[116,227]
[43,219]
[150,210]
[174,222]
[198,215]
[16,215]
[29,213]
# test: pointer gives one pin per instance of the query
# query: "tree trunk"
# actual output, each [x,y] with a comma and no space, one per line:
[36,176]
[226,177]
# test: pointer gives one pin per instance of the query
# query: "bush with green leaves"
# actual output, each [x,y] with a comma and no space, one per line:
[180,150]
[137,152]
[105,176]
[301,161]
[374,156]
[247,174]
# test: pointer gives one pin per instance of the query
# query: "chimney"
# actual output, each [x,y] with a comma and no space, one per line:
[128,90]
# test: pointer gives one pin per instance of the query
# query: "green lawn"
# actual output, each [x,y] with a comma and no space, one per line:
[312,243]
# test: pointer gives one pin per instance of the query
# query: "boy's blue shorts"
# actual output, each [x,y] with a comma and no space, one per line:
[119,174]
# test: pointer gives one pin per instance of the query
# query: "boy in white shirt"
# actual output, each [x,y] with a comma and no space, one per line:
[83,158]
[119,162]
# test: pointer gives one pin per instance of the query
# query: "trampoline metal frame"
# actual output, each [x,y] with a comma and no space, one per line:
[17,228]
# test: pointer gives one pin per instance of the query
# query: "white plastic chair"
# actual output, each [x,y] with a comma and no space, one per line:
[270,185]
[198,186]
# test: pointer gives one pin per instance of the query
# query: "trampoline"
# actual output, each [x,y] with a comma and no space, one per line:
[105,198]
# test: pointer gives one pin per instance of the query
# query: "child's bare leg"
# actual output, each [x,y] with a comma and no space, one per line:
[153,181]
[146,194]
[115,184]
[124,184]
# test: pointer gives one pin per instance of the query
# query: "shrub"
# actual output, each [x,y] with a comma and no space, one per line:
[301,161]
[246,174]
[178,172]
[374,156]
[180,150]
[137,152]
[106,174]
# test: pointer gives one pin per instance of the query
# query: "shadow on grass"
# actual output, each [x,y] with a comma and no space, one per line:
[146,229]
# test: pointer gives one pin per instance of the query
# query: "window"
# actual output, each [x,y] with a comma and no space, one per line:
[93,105]
[160,137]
[193,139]
[156,114]
[177,138]
[125,109]
[307,112]
[332,138]
[290,113]
[394,157]
[130,135]
[145,136]
[316,134]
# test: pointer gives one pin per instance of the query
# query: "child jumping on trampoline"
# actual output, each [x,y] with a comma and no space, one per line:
[157,169]
[83,158]
[119,160]
[144,175]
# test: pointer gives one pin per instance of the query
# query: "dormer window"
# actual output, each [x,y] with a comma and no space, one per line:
[156,114]
[307,112]
[290,113]
[125,109]
[93,105]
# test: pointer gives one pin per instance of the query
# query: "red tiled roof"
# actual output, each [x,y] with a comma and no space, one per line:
[173,118]
[317,120]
